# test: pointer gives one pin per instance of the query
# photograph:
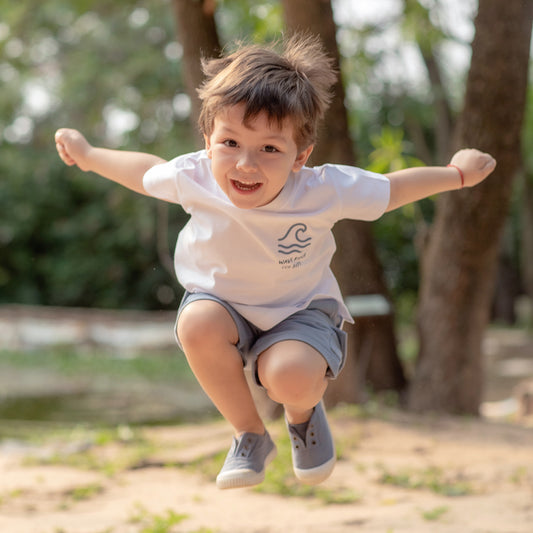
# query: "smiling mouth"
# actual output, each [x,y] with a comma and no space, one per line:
[245,187]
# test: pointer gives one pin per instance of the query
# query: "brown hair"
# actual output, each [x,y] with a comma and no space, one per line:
[295,84]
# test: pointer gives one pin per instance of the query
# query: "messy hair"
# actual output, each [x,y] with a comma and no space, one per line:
[295,83]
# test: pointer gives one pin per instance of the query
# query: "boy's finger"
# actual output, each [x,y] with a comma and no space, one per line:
[59,134]
[63,154]
[490,163]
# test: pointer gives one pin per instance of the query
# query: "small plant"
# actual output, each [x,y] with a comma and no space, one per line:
[435,514]
[12,494]
[80,493]
[157,523]
[85,492]
[431,478]
[520,475]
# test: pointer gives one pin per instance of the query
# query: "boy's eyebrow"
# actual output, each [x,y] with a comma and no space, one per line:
[228,130]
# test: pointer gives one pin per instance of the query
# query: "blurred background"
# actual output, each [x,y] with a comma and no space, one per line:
[117,71]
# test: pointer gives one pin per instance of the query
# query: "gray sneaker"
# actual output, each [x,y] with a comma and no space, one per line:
[313,459]
[246,461]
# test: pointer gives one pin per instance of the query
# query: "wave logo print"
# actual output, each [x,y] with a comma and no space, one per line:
[294,241]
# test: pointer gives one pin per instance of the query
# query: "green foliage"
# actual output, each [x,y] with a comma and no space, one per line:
[418,26]
[257,20]
[113,70]
[389,152]
[396,233]
[69,238]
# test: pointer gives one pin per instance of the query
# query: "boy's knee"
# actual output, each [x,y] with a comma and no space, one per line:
[205,321]
[289,379]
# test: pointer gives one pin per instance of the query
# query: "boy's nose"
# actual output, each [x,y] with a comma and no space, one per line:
[246,162]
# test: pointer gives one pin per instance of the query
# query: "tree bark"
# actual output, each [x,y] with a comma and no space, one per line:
[459,265]
[197,32]
[372,355]
[527,236]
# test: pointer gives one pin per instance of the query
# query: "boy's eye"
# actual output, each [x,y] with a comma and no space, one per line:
[230,143]
[271,149]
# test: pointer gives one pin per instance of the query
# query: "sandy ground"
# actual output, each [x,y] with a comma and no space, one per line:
[396,472]
[490,465]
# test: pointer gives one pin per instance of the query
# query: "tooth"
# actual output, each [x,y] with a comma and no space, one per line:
[246,186]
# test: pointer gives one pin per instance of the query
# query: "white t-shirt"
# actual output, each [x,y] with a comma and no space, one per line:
[271,261]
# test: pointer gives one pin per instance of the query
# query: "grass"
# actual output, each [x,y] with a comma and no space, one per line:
[520,476]
[9,495]
[156,523]
[85,492]
[105,450]
[431,478]
[71,361]
[432,515]
[79,494]
[161,523]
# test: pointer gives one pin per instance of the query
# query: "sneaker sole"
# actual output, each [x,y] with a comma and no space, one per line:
[237,479]
[314,476]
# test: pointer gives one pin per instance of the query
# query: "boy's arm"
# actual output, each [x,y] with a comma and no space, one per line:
[467,168]
[125,168]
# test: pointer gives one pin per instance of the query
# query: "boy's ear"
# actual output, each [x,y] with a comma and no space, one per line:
[301,158]
[208,146]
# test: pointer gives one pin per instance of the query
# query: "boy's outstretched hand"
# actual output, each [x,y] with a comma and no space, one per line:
[126,168]
[72,147]
[474,165]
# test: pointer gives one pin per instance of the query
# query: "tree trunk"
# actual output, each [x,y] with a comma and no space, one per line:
[197,32]
[527,236]
[356,264]
[459,265]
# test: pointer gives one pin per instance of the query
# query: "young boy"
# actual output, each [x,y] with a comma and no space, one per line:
[254,257]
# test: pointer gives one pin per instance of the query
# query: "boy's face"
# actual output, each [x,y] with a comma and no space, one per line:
[252,163]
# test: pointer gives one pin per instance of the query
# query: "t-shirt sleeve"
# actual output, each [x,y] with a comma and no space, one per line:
[362,195]
[161,182]
[167,180]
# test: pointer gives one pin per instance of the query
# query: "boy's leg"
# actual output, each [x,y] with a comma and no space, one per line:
[208,335]
[294,374]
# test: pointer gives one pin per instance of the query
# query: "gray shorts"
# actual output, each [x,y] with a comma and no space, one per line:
[315,326]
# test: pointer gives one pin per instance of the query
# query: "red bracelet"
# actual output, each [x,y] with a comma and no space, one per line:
[460,173]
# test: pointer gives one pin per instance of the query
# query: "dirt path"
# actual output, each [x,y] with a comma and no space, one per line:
[397,473]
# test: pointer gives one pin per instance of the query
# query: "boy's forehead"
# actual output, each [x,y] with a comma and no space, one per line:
[234,116]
